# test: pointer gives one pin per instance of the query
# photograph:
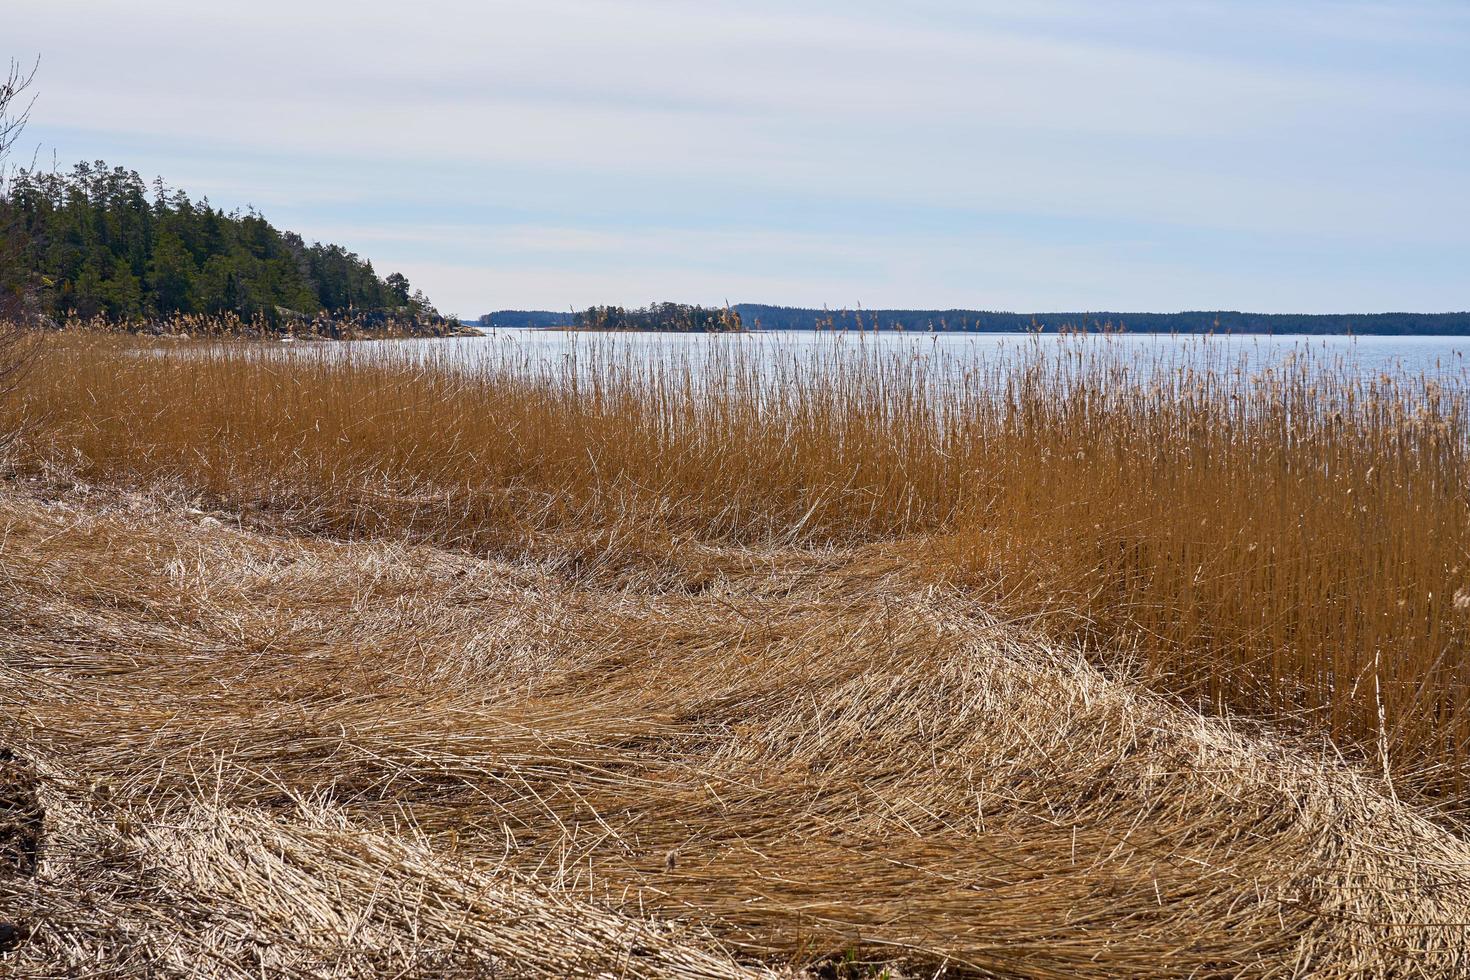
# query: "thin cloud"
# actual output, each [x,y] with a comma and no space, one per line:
[1330,128]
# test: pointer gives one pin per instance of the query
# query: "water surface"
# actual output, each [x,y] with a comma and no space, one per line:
[941,354]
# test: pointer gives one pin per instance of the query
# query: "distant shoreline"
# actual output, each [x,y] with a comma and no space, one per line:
[758,317]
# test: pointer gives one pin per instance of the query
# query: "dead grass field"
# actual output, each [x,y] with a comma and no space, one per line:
[336,666]
[276,755]
[1294,545]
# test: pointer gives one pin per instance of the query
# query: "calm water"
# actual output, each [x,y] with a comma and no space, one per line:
[945,353]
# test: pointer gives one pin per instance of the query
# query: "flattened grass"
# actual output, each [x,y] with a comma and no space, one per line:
[1295,544]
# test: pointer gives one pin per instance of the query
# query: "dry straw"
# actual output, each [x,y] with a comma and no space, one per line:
[281,756]
[1288,543]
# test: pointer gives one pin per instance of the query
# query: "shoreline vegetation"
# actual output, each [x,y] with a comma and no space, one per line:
[1292,543]
[850,664]
[350,325]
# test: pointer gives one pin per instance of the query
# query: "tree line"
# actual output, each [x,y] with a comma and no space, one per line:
[761,317]
[1203,321]
[99,242]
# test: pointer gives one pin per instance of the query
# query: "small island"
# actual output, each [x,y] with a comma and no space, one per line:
[663,317]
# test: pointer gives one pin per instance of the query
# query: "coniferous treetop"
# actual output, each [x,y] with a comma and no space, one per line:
[99,241]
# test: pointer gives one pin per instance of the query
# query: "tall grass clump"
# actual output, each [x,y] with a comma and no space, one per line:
[1289,540]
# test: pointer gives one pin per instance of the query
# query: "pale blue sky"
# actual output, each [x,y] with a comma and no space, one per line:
[1045,155]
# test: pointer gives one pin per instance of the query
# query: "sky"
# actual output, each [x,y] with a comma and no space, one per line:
[1046,155]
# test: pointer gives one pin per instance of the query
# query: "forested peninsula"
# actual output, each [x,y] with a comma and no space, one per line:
[99,243]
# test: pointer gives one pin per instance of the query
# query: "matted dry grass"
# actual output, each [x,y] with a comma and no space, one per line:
[1292,545]
[264,754]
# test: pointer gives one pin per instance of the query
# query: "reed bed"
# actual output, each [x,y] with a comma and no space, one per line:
[1293,543]
[237,754]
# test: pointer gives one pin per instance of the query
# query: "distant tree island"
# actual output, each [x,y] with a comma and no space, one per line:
[670,317]
[663,317]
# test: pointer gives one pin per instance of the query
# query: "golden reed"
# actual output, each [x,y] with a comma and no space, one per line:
[1293,543]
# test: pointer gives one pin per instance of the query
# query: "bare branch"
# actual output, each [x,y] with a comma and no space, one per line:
[17,344]
[14,115]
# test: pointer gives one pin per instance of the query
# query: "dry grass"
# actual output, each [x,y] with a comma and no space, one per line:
[279,755]
[1294,545]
